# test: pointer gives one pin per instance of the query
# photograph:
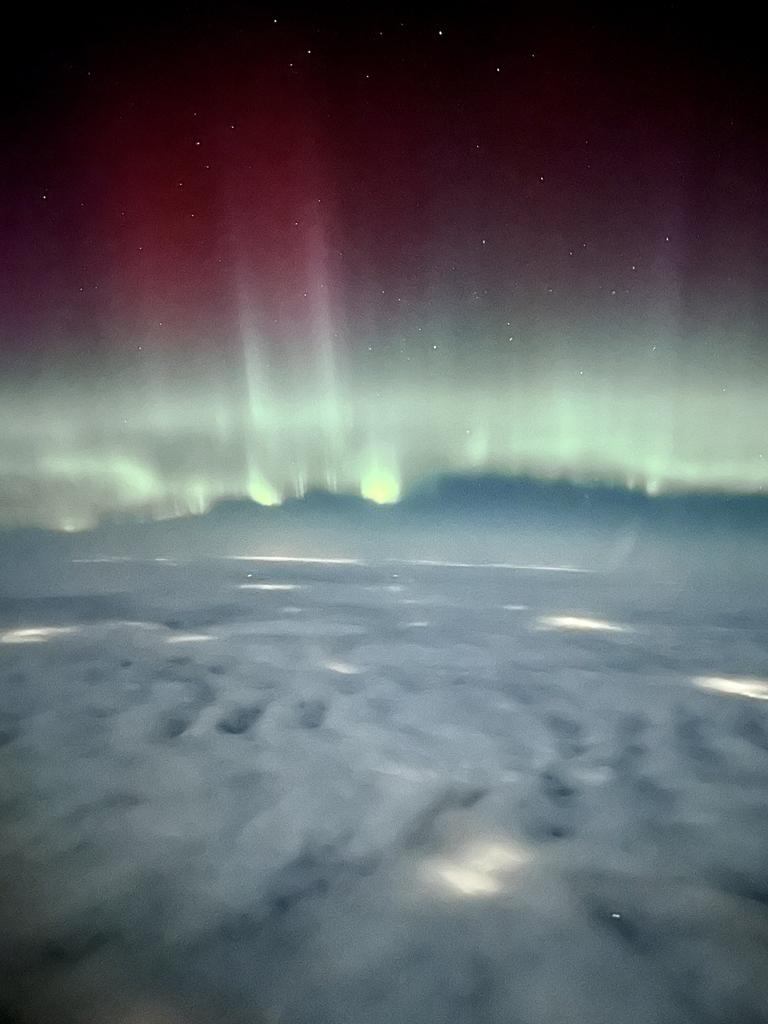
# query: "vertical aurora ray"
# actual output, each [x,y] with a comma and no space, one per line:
[259,431]
[325,389]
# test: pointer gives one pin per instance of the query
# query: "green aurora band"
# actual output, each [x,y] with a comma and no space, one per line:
[164,437]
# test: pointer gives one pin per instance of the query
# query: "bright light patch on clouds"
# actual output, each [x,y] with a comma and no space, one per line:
[117,559]
[271,586]
[515,607]
[576,622]
[104,559]
[343,668]
[297,559]
[743,686]
[480,869]
[37,635]
[188,638]
[496,565]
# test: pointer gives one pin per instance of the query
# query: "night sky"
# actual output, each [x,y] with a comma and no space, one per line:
[252,252]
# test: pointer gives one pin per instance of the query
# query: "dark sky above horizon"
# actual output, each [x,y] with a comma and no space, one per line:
[249,251]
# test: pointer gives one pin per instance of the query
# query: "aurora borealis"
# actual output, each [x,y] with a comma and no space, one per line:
[257,253]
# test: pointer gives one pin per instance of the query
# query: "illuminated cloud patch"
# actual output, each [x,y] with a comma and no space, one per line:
[480,869]
[37,634]
[579,623]
[737,686]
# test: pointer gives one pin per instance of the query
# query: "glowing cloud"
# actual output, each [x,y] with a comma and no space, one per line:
[36,635]
[300,560]
[271,586]
[575,622]
[481,869]
[188,638]
[517,567]
[343,668]
[757,689]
